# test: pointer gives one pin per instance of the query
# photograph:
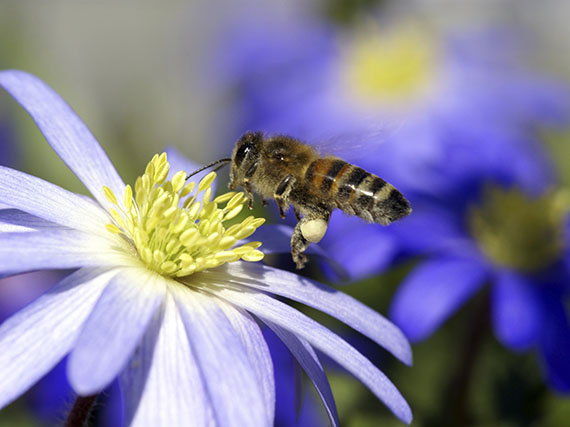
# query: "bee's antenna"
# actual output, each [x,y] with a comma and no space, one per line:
[222,161]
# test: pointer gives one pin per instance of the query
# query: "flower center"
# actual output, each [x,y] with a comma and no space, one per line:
[390,66]
[177,238]
[516,231]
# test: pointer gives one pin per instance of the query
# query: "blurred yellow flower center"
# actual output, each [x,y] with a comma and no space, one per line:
[390,66]
[177,239]
[518,232]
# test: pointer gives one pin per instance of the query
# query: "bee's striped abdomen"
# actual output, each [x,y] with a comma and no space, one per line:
[323,173]
[356,191]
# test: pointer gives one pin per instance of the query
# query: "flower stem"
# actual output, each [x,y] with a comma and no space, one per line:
[472,346]
[79,414]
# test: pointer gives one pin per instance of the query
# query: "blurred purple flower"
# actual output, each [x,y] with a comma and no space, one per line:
[396,97]
[450,118]
[504,227]
[125,314]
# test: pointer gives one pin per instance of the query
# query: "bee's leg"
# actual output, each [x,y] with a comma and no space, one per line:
[247,183]
[282,194]
[310,228]
[248,193]
[297,214]
[298,245]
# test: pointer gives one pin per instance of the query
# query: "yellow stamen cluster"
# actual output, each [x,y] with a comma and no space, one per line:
[390,66]
[177,238]
[517,231]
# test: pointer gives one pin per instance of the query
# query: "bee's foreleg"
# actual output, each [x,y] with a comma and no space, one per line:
[248,193]
[282,192]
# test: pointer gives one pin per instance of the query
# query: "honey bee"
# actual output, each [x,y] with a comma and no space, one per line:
[294,174]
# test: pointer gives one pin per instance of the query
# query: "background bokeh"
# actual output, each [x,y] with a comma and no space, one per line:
[462,105]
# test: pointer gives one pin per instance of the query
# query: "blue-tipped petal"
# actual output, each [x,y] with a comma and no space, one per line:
[309,361]
[257,352]
[555,343]
[114,328]
[162,384]
[53,249]
[231,381]
[14,220]
[50,202]
[432,292]
[42,333]
[329,300]
[271,310]
[516,311]
[65,132]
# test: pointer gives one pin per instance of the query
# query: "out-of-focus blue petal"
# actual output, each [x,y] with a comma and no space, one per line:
[162,383]
[65,132]
[53,249]
[362,249]
[276,238]
[430,228]
[434,291]
[18,291]
[329,300]
[222,359]
[111,406]
[50,202]
[269,309]
[28,339]
[293,408]
[309,361]
[516,310]
[555,343]
[257,352]
[114,328]
[51,395]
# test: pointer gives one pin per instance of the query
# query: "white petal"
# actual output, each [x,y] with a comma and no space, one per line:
[314,294]
[114,328]
[267,308]
[309,361]
[53,249]
[65,132]
[257,352]
[42,333]
[50,202]
[14,221]
[162,384]
[230,379]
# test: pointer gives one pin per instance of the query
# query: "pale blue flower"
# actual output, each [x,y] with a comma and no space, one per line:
[187,348]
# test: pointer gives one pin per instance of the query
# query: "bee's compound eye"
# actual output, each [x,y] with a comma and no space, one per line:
[241,153]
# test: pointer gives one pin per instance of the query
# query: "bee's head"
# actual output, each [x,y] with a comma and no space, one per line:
[245,157]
